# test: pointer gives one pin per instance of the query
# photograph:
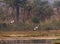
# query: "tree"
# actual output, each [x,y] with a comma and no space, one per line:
[42,10]
[57,4]
[9,2]
[16,4]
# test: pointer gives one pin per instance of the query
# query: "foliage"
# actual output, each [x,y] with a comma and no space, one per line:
[50,25]
[35,20]
[3,26]
[42,10]
[37,12]
[16,4]
[57,4]
[20,2]
[9,2]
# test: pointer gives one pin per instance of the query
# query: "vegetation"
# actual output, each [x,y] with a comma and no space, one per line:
[27,15]
[57,4]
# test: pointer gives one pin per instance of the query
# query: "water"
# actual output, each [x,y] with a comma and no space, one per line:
[25,41]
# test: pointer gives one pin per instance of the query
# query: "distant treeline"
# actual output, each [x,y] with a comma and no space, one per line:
[28,13]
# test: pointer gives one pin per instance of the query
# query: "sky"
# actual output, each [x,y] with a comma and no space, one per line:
[1,0]
[51,1]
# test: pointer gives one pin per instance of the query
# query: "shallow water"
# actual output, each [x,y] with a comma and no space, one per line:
[25,42]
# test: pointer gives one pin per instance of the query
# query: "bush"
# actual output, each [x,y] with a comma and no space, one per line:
[3,25]
[25,27]
[53,25]
[35,20]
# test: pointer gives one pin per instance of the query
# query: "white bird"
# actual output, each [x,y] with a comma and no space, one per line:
[36,28]
[12,21]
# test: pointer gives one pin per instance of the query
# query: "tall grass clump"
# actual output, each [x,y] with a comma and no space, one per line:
[50,24]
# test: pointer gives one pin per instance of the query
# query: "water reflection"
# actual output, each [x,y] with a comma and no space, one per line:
[23,42]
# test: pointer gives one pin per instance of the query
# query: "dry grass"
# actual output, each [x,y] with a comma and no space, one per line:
[30,33]
[54,23]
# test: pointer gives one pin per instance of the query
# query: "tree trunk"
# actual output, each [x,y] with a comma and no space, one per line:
[17,14]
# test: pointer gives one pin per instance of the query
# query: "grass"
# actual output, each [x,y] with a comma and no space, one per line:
[30,33]
[47,28]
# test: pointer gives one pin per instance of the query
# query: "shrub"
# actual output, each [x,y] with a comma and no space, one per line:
[53,25]
[35,20]
[3,25]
